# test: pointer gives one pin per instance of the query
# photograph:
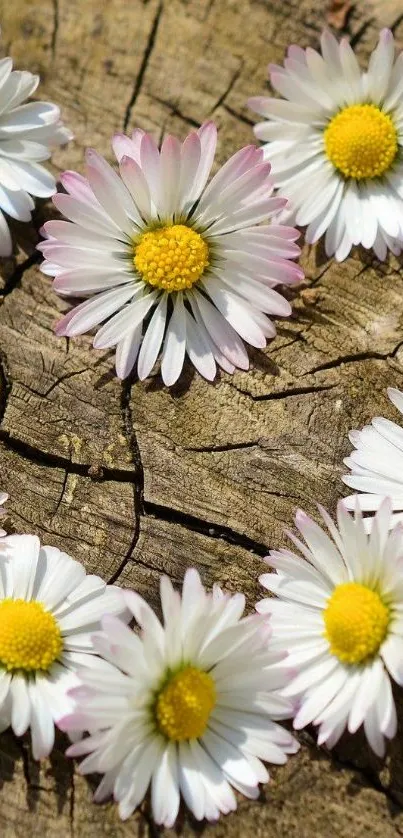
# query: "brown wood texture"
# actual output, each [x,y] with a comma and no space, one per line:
[134,479]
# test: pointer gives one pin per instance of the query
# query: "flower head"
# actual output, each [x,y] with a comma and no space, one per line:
[339,615]
[28,132]
[48,609]
[187,706]
[376,465]
[335,143]
[172,266]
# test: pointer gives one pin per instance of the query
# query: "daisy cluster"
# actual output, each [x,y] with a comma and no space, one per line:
[172,262]
[189,706]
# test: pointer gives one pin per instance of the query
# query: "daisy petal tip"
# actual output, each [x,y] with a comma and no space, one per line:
[60,328]
[71,750]
[301,517]
[343,508]
[322,740]
[132,600]
[126,162]
[209,125]
[192,573]
[64,723]
[260,608]
[386,35]
[170,378]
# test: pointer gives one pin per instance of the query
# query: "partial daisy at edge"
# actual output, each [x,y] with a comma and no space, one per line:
[376,464]
[28,134]
[335,142]
[338,612]
[172,264]
[3,512]
[188,706]
[49,608]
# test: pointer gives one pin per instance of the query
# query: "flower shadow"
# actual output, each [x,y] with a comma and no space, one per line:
[384,775]
[53,775]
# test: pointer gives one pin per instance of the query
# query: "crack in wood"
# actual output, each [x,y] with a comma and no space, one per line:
[219,531]
[19,271]
[55,31]
[35,455]
[138,499]
[239,116]
[357,37]
[174,111]
[354,359]
[143,66]
[228,89]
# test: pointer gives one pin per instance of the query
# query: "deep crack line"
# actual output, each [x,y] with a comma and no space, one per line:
[15,278]
[366,775]
[35,455]
[354,359]
[210,530]
[283,394]
[138,488]
[146,57]
[55,27]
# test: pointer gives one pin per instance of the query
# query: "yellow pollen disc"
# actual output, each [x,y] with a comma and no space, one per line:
[361,141]
[184,704]
[172,258]
[30,637]
[356,622]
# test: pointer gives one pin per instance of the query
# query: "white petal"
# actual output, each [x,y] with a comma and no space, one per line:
[175,343]
[152,340]
[124,321]
[21,705]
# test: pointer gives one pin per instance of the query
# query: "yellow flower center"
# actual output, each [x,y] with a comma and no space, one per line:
[361,141]
[184,704]
[356,622]
[172,258]
[30,637]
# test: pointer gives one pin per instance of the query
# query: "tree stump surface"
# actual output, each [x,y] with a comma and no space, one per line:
[134,479]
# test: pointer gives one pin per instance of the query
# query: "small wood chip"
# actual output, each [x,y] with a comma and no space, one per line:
[337,13]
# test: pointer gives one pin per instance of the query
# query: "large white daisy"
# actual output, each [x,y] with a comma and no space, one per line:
[158,245]
[339,614]
[335,144]
[377,464]
[28,132]
[187,706]
[48,609]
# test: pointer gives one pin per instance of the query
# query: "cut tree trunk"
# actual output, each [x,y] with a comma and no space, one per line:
[134,479]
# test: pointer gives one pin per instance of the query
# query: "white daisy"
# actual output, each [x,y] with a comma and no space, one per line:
[28,132]
[3,512]
[377,464]
[187,706]
[335,143]
[48,609]
[157,244]
[339,614]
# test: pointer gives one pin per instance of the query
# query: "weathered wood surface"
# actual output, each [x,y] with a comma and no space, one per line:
[134,479]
